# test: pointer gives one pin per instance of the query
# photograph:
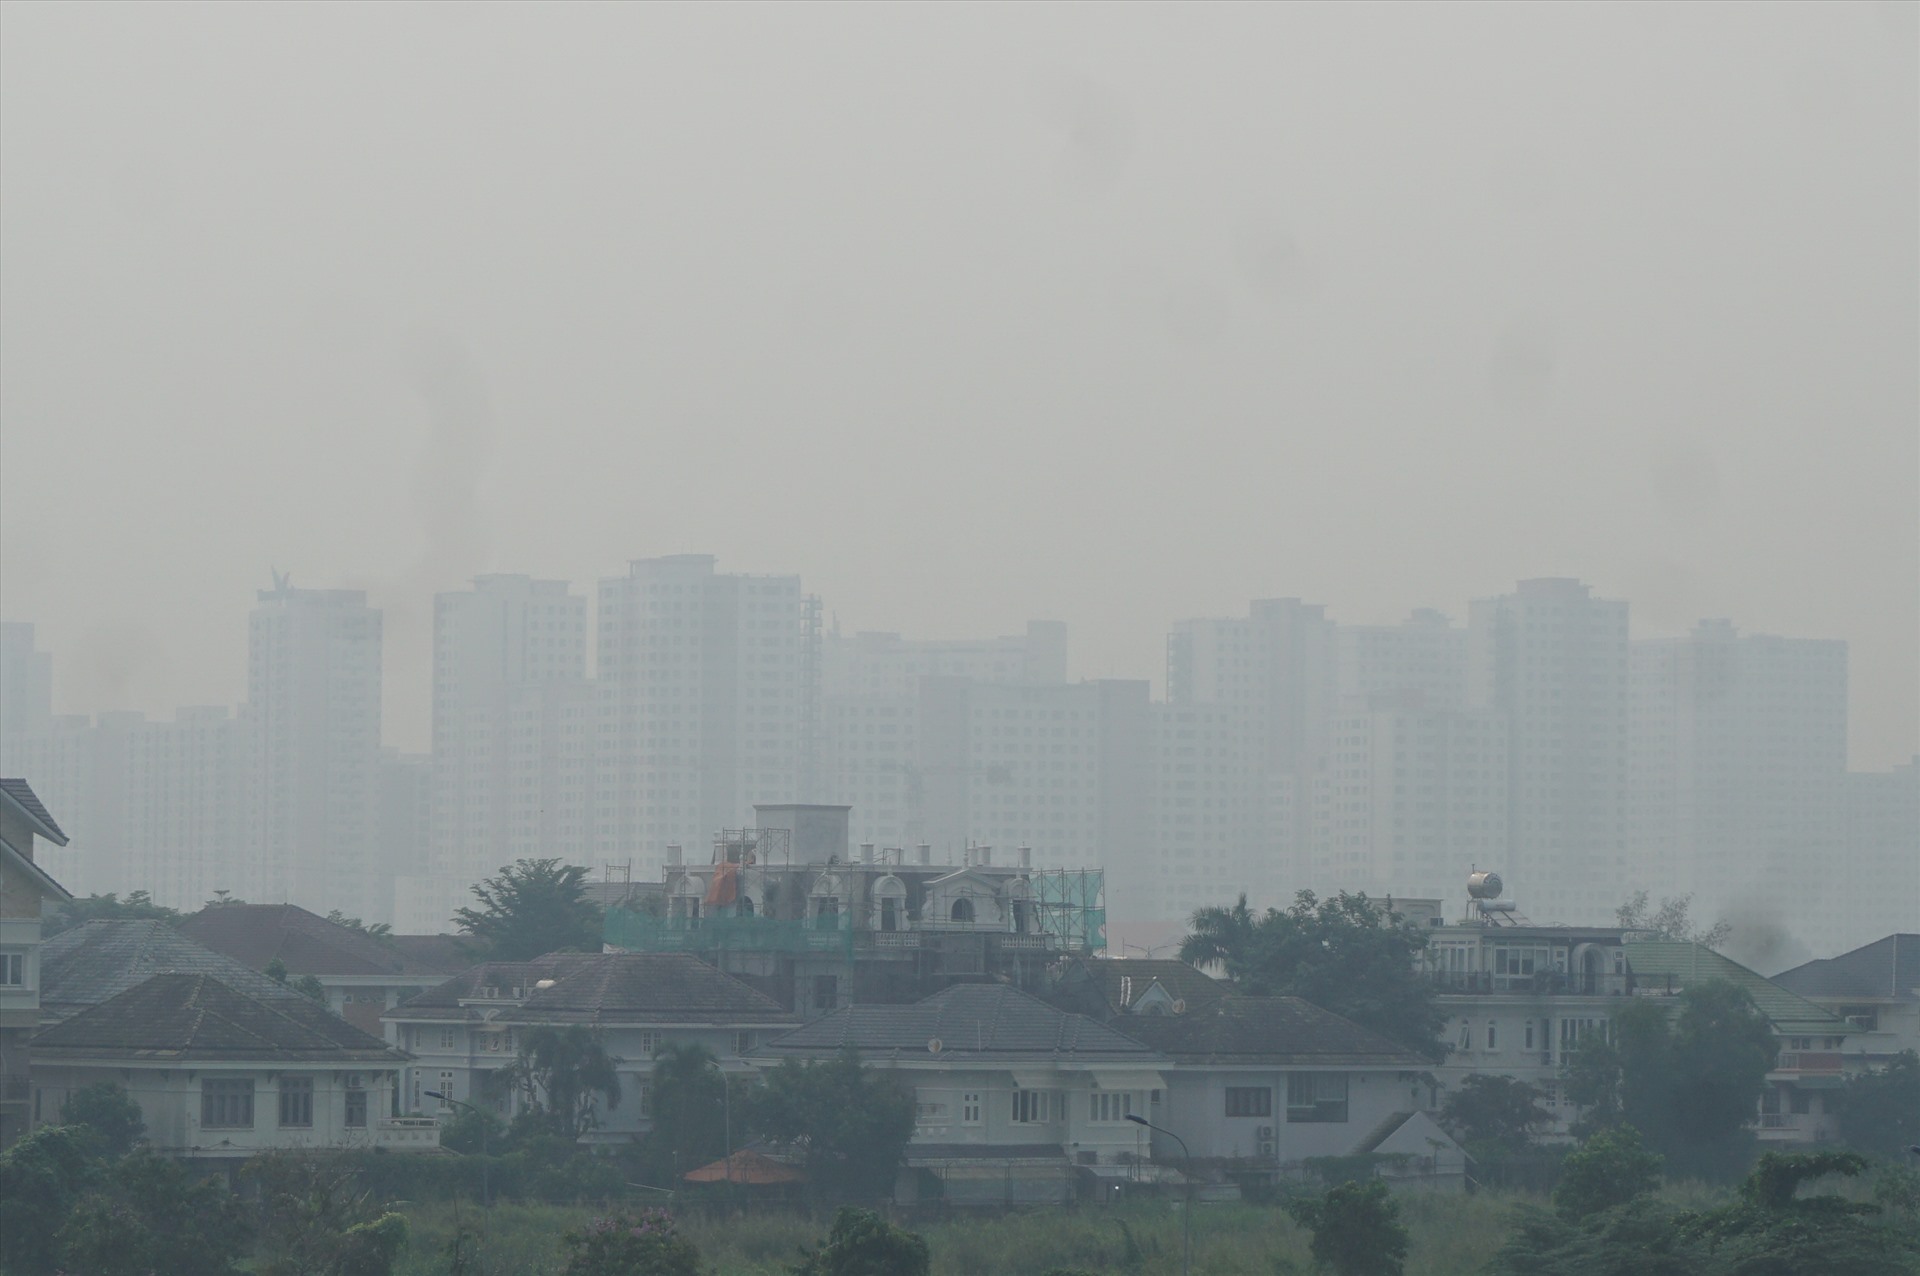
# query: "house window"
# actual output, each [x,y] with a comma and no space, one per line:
[970,1109]
[826,992]
[1316,1097]
[1033,1107]
[645,1099]
[226,1103]
[1493,1035]
[13,970]
[1249,1101]
[1466,1035]
[1529,1034]
[1110,1105]
[962,910]
[744,1042]
[446,1087]
[296,1103]
[356,1105]
[1801,1101]
[649,1044]
[1573,1032]
[930,1114]
[446,1038]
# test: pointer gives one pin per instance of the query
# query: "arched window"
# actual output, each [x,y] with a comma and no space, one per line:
[962,910]
[889,904]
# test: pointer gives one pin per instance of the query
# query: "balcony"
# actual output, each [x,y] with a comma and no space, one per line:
[1546,983]
[408,1134]
[1810,1063]
[892,938]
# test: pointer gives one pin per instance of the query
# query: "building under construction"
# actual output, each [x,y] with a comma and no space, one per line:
[791,907]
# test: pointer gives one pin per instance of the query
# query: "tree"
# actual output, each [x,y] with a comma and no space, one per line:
[1772,1230]
[307,985]
[1670,921]
[533,907]
[315,1220]
[644,1244]
[861,1243]
[1879,1111]
[107,1110]
[1346,954]
[1494,1111]
[1690,1083]
[1609,1169]
[561,1070]
[379,930]
[41,1178]
[152,1218]
[850,1122]
[137,906]
[689,1110]
[1356,1229]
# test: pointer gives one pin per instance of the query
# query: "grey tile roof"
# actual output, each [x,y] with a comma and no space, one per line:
[1886,969]
[308,944]
[21,794]
[1123,979]
[1266,1030]
[969,1020]
[601,989]
[98,960]
[196,1017]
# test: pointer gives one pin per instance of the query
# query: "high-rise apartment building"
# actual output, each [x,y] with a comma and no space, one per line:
[1739,753]
[1209,817]
[182,821]
[1550,661]
[514,718]
[1880,868]
[313,714]
[26,682]
[710,703]
[1425,655]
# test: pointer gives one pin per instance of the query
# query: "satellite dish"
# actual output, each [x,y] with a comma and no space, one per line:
[934,1045]
[1180,1006]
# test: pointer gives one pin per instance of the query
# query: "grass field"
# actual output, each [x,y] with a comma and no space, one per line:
[1450,1236]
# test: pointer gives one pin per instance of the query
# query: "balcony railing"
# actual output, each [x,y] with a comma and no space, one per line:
[1546,983]
[416,1134]
[1810,1062]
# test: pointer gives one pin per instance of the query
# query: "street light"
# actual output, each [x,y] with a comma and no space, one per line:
[1186,1215]
[726,1119]
[486,1195]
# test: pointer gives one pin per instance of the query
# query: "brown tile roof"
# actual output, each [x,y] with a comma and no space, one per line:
[599,989]
[1265,1030]
[196,1017]
[308,944]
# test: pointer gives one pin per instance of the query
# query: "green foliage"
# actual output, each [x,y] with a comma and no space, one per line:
[310,986]
[150,1217]
[108,1111]
[1879,1111]
[316,1219]
[1690,1083]
[275,970]
[42,1177]
[689,1112]
[533,907]
[850,1122]
[1670,921]
[644,1244]
[1609,1169]
[137,906]
[1636,1239]
[1493,1110]
[561,1070]
[1346,954]
[379,930]
[1356,1229]
[471,1131]
[861,1243]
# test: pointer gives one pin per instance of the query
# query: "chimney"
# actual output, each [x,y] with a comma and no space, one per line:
[674,854]
[866,852]
[986,857]
[923,853]
[1025,855]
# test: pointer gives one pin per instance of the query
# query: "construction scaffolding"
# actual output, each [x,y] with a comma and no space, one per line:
[1072,907]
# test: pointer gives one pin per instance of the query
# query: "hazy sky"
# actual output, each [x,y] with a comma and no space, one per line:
[1116,314]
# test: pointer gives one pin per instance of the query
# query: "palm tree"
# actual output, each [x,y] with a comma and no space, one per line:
[1223,935]
[561,1070]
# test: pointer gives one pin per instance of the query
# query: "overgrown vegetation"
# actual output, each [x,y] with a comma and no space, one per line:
[531,908]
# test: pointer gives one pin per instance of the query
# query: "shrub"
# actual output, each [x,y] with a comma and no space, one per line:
[1609,1169]
[110,1113]
[1356,1229]
[861,1243]
[644,1244]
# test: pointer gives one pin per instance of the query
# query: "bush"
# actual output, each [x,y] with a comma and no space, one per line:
[1356,1229]
[41,1178]
[861,1243]
[110,1113]
[1609,1169]
[643,1244]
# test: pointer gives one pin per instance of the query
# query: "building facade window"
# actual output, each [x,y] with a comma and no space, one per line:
[1033,1107]
[1493,1035]
[13,970]
[446,1087]
[970,1108]
[296,1103]
[356,1105]
[649,1044]
[226,1103]
[1110,1106]
[1316,1097]
[1249,1101]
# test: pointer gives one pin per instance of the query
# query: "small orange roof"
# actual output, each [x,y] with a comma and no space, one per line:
[745,1166]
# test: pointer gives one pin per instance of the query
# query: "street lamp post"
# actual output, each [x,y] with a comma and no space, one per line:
[486,1194]
[726,1120]
[1186,1215]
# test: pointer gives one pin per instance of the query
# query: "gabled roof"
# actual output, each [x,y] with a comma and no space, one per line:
[1886,969]
[19,796]
[746,1166]
[1276,1031]
[190,1017]
[99,960]
[971,1021]
[599,989]
[1122,980]
[1683,965]
[307,944]
[42,879]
